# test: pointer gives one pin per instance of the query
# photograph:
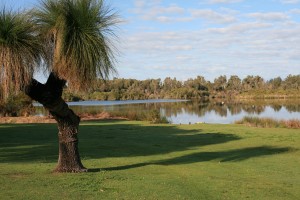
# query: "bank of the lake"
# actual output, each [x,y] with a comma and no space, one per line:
[186,112]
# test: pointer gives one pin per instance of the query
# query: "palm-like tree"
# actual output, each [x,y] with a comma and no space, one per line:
[20,51]
[76,34]
[76,50]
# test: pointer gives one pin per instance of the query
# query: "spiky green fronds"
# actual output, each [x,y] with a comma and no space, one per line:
[20,51]
[77,33]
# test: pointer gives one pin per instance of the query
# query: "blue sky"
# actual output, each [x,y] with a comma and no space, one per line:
[187,38]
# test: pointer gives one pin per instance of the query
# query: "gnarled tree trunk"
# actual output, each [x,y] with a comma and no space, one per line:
[49,95]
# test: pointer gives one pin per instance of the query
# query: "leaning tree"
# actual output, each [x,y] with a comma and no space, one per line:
[70,38]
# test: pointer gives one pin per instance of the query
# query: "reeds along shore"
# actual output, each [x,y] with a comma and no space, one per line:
[269,122]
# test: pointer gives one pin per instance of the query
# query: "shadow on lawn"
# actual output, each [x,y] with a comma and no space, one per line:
[233,155]
[38,142]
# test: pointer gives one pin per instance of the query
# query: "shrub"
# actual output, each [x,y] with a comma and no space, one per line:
[293,123]
[17,105]
[269,122]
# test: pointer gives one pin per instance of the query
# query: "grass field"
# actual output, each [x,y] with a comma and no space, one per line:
[138,160]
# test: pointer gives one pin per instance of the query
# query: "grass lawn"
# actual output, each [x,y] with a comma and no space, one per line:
[138,160]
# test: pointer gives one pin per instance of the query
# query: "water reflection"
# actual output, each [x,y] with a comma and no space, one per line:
[208,112]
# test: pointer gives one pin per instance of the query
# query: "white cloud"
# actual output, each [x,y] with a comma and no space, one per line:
[144,3]
[212,16]
[240,28]
[153,10]
[223,1]
[183,57]
[173,9]
[224,41]
[290,1]
[270,16]
[139,3]
[166,19]
[295,11]
[174,13]
[262,47]
[217,69]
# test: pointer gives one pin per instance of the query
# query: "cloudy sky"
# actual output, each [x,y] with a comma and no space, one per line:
[187,38]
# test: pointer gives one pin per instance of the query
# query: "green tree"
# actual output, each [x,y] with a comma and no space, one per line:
[275,83]
[252,82]
[72,38]
[234,83]
[220,83]
[292,82]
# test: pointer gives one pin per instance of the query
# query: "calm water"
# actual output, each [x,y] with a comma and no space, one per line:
[184,112]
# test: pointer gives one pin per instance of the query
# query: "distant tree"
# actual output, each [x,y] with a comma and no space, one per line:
[70,36]
[199,83]
[248,83]
[252,82]
[155,86]
[220,83]
[292,82]
[234,83]
[170,84]
[275,83]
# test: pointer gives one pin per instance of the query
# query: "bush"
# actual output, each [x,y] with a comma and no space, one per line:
[293,123]
[269,122]
[17,105]
[67,96]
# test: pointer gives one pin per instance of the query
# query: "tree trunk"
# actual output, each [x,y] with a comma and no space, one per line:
[49,95]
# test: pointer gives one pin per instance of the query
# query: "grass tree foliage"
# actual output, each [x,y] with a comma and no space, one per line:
[75,32]
[71,37]
[20,51]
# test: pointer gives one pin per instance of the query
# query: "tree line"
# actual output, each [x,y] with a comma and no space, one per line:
[193,88]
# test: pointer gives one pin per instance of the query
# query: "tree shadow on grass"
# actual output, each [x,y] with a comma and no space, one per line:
[28,142]
[226,156]
[38,143]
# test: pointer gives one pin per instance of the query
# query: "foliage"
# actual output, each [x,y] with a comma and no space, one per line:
[76,34]
[68,96]
[16,105]
[197,88]
[173,162]
[20,52]
[269,122]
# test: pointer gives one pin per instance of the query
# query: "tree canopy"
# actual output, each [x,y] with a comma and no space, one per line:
[76,34]
[20,51]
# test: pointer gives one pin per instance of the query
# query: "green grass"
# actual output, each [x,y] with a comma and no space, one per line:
[139,160]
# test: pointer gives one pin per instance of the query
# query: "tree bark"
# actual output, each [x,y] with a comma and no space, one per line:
[49,95]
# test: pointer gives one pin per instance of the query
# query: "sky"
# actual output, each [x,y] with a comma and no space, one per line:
[189,38]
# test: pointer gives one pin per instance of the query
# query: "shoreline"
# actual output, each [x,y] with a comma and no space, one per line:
[50,120]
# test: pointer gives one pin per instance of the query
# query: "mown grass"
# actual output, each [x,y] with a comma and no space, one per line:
[265,122]
[139,160]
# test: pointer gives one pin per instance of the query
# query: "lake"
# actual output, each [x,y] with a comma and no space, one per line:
[185,112]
